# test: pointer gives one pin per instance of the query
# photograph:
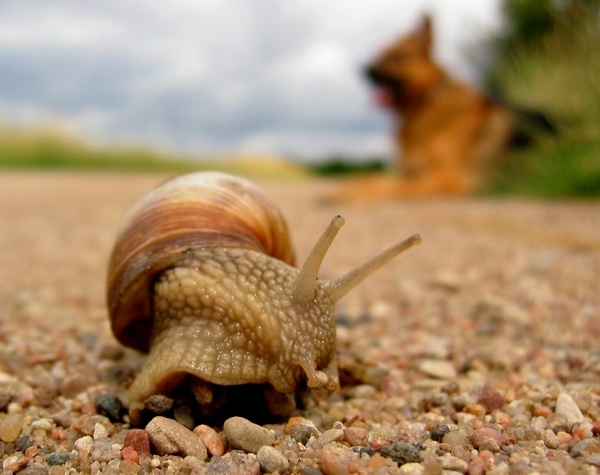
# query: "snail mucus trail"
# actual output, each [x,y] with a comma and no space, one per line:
[202,277]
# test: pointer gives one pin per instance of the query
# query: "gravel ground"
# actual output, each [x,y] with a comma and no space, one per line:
[476,352]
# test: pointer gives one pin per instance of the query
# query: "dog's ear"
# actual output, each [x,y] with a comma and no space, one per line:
[425,31]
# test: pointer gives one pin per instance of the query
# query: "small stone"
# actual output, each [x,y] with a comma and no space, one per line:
[138,440]
[300,429]
[247,436]
[170,437]
[402,452]
[158,404]
[34,469]
[453,464]
[110,406]
[234,463]
[412,469]
[10,427]
[23,443]
[129,453]
[447,280]
[490,445]
[337,461]
[84,443]
[438,432]
[360,449]
[84,425]
[43,424]
[56,458]
[491,398]
[215,444]
[438,369]
[271,459]
[454,438]
[566,406]
[356,436]
[550,439]
[589,450]
[128,467]
[480,436]
[100,432]
[105,451]
[15,463]
[329,436]
[73,384]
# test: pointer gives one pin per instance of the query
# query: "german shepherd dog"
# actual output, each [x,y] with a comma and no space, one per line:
[446,132]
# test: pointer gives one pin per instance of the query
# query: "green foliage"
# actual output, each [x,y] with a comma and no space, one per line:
[546,59]
[342,166]
[49,150]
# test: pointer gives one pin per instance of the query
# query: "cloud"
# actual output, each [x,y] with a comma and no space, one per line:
[215,75]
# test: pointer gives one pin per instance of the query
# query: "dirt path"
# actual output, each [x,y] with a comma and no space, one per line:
[505,291]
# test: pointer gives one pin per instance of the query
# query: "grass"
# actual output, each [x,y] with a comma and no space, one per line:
[556,72]
[557,170]
[49,150]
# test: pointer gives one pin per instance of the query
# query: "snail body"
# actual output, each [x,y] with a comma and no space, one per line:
[203,278]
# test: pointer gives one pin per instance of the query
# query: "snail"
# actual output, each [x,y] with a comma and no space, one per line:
[202,278]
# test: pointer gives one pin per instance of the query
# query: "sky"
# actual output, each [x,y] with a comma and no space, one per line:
[274,77]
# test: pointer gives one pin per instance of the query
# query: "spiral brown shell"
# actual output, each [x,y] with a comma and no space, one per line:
[196,211]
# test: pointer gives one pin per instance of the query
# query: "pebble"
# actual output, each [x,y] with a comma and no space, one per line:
[74,384]
[438,432]
[329,436]
[43,424]
[100,432]
[158,404]
[23,443]
[336,461]
[300,429]
[491,398]
[34,469]
[438,369]
[412,469]
[84,443]
[356,436]
[271,459]
[215,444]
[15,464]
[454,464]
[234,463]
[247,436]
[566,406]
[170,437]
[589,450]
[56,458]
[138,439]
[10,427]
[402,452]
[130,454]
[480,436]
[361,449]
[110,406]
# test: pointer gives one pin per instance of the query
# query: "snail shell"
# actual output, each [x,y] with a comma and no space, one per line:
[202,278]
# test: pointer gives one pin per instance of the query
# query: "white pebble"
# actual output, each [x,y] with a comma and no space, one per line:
[566,406]
[84,442]
[44,424]
[100,432]
[438,369]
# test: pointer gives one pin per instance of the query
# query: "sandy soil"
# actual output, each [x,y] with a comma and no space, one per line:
[504,292]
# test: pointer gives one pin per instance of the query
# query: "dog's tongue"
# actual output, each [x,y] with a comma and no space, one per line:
[384,97]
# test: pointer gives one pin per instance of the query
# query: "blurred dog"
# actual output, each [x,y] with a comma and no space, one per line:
[446,130]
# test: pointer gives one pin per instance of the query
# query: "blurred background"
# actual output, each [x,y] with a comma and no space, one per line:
[276,88]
